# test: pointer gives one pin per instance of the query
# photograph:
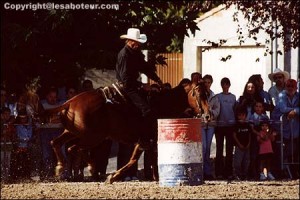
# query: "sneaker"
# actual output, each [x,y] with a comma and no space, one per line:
[262,177]
[208,177]
[219,177]
[127,178]
[237,178]
[134,178]
[270,176]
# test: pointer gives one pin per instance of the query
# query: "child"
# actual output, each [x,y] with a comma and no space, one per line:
[242,137]
[265,138]
[7,136]
[255,120]
[21,160]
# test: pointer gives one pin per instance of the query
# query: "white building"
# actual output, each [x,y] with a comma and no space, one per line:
[246,59]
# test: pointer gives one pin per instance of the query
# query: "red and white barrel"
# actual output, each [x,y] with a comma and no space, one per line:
[180,152]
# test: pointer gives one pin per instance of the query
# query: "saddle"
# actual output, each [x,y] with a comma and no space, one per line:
[114,94]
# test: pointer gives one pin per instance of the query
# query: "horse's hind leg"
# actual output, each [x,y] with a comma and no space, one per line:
[57,144]
[137,152]
[81,156]
[154,163]
[76,162]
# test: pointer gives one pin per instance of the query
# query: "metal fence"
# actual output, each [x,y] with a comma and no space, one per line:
[289,151]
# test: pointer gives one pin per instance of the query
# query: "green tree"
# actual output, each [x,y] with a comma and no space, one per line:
[59,45]
[269,15]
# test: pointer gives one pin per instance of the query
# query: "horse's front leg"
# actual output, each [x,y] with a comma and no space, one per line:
[137,152]
[57,144]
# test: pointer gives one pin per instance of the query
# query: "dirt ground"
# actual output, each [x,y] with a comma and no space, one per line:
[152,190]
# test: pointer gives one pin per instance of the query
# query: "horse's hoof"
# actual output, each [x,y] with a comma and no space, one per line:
[59,170]
[109,179]
[91,170]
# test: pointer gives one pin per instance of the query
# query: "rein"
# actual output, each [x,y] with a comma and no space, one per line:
[197,101]
[201,114]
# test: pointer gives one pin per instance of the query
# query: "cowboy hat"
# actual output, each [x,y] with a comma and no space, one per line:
[279,71]
[134,34]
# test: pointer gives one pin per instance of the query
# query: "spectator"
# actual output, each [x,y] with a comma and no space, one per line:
[279,77]
[87,85]
[242,137]
[289,105]
[33,108]
[3,97]
[166,86]
[12,103]
[208,130]
[33,105]
[61,89]
[70,158]
[255,119]
[71,92]
[155,87]
[223,130]
[249,97]
[259,85]
[265,139]
[51,129]
[21,103]
[196,78]
[7,137]
[21,159]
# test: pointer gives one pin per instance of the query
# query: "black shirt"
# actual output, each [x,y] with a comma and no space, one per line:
[243,130]
[130,64]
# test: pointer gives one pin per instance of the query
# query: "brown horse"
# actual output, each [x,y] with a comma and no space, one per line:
[93,116]
[198,101]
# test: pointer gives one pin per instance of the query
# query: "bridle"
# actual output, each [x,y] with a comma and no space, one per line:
[201,114]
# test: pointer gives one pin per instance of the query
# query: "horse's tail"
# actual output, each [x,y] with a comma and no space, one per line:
[57,109]
[64,106]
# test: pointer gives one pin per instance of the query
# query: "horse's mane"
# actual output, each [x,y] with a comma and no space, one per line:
[198,99]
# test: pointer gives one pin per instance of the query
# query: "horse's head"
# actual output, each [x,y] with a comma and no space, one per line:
[198,101]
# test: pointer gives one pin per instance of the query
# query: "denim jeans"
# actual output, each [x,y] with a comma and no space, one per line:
[48,156]
[207,136]
[5,163]
[241,162]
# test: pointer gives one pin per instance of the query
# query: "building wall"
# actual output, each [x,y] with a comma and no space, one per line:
[246,59]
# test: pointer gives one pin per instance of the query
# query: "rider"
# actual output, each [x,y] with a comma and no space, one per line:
[130,63]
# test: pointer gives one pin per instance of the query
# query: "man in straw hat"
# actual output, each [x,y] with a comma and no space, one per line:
[279,77]
[130,63]
[289,107]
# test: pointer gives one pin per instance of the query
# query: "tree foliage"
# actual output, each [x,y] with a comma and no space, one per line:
[59,45]
[279,19]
